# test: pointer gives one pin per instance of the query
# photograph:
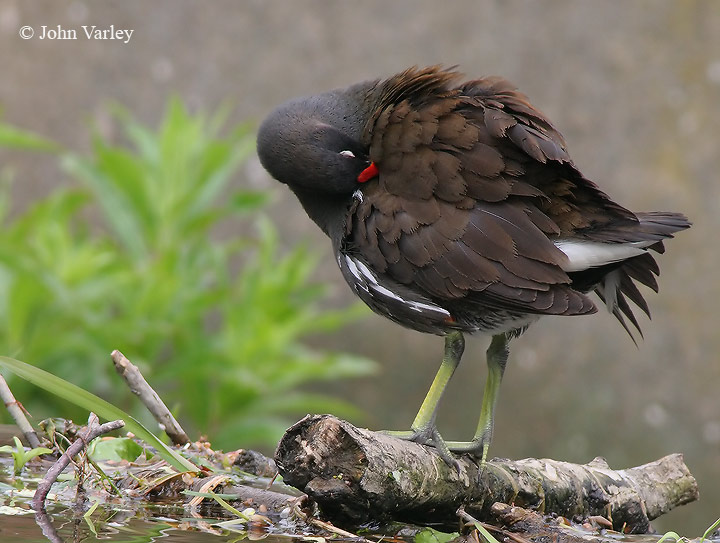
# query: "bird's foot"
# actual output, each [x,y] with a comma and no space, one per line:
[477,448]
[429,436]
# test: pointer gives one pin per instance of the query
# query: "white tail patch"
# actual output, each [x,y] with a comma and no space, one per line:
[610,286]
[592,254]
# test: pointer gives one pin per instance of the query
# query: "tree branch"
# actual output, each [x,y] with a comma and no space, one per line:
[16,412]
[356,475]
[140,387]
[85,436]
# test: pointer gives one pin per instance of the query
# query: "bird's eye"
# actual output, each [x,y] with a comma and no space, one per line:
[348,154]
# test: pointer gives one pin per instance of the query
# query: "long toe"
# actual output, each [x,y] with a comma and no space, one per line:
[430,437]
[423,437]
[443,450]
[477,448]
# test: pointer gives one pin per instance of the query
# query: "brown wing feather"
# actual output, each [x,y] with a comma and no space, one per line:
[474,183]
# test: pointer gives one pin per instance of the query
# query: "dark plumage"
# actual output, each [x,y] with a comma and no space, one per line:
[454,207]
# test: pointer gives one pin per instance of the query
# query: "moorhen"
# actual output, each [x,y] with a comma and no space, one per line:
[453,207]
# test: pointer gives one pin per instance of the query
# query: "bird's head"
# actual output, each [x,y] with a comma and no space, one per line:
[314,143]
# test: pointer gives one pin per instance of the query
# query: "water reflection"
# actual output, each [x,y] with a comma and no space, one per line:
[62,525]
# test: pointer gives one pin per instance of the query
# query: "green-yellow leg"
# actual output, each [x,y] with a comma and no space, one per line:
[423,429]
[497,356]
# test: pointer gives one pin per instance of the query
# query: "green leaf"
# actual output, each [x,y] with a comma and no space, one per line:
[249,200]
[37,451]
[430,535]
[484,534]
[116,208]
[90,402]
[119,448]
[670,536]
[20,456]
[11,136]
[89,520]
[709,530]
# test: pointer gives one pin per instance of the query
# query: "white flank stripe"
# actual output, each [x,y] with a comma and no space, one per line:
[368,282]
[365,272]
[591,254]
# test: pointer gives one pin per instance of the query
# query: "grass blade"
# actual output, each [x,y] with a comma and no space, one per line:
[86,400]
[707,532]
[11,136]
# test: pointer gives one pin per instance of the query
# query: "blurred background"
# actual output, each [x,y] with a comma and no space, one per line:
[633,86]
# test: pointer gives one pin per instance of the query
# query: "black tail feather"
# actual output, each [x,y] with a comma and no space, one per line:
[619,283]
[615,283]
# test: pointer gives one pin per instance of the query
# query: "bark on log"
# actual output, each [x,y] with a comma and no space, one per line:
[356,475]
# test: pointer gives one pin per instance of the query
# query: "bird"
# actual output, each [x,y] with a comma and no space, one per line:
[454,208]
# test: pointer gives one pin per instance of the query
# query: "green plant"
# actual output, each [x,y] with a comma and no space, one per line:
[20,455]
[675,537]
[430,535]
[138,257]
[89,402]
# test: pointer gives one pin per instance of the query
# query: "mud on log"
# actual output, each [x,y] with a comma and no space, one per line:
[356,475]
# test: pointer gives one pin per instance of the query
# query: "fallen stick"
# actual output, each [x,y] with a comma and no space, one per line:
[16,412]
[249,496]
[312,521]
[140,387]
[84,436]
[356,475]
[525,526]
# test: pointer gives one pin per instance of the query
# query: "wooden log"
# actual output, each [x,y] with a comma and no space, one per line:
[356,475]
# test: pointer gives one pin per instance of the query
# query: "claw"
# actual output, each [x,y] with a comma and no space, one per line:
[443,450]
[423,437]
[430,437]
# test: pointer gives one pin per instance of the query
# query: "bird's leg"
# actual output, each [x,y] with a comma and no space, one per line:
[423,429]
[497,356]
[424,422]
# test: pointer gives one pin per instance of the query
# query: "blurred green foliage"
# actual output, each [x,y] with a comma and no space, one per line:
[136,256]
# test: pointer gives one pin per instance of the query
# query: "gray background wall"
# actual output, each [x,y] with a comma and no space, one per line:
[633,86]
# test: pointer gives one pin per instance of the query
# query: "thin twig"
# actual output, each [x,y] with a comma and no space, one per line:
[140,387]
[297,510]
[208,486]
[469,520]
[85,436]
[16,412]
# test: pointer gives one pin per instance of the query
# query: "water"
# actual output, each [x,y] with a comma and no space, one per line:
[67,527]
[101,517]
[145,523]
[132,521]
